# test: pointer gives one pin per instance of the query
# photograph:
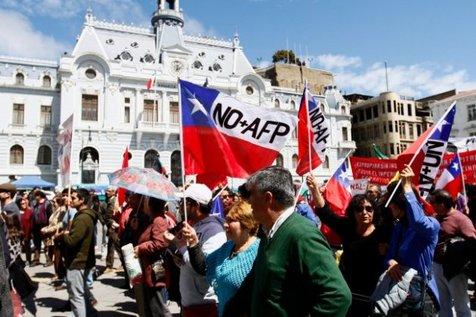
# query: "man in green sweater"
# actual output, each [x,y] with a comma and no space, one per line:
[294,273]
[78,246]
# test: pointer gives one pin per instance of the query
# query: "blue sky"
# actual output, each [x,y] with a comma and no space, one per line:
[430,45]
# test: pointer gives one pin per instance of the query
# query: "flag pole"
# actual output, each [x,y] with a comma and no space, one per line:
[462,173]
[418,151]
[71,158]
[182,148]
[309,133]
[221,191]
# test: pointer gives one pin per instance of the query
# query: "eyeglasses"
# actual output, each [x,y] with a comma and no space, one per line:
[368,209]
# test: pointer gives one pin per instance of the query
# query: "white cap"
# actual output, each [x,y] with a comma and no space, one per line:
[198,192]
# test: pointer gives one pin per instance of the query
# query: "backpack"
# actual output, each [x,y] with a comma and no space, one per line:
[40,216]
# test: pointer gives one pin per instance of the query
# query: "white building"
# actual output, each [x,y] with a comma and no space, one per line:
[103,82]
[465,119]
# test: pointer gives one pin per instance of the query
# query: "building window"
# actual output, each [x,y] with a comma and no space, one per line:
[197,65]
[44,155]
[280,160]
[18,116]
[150,113]
[326,162]
[345,136]
[149,59]
[394,106]
[409,109]
[295,161]
[293,105]
[384,128]
[471,112]
[418,130]
[403,130]
[16,154]
[368,113]
[19,79]
[390,127]
[375,110]
[127,114]
[249,90]
[342,110]
[46,81]
[276,103]
[396,126]
[150,158]
[45,116]
[90,73]
[389,106]
[411,131]
[392,150]
[217,67]
[361,115]
[89,110]
[174,112]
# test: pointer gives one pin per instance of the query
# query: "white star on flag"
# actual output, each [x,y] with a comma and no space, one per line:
[440,126]
[455,166]
[197,106]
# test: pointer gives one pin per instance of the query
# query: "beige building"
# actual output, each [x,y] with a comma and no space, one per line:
[390,121]
[294,76]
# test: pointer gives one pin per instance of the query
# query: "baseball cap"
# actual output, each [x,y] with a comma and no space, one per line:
[198,192]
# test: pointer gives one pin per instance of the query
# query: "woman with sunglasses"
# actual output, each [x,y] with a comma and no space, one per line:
[363,259]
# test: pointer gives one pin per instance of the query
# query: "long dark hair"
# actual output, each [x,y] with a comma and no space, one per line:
[355,205]
[13,224]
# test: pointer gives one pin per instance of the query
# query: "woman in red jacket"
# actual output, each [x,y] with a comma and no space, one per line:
[26,213]
[150,251]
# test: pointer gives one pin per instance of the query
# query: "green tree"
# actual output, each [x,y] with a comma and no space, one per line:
[281,56]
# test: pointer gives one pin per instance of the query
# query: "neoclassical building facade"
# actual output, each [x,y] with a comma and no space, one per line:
[103,82]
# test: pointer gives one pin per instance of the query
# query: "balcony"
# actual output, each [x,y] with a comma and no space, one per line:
[158,127]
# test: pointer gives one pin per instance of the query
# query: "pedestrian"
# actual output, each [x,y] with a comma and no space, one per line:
[227,267]
[55,225]
[151,251]
[198,297]
[362,261]
[42,211]
[26,223]
[6,305]
[79,253]
[111,219]
[412,246]
[7,193]
[294,273]
[228,198]
[452,254]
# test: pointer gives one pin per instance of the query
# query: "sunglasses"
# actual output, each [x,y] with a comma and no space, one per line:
[368,209]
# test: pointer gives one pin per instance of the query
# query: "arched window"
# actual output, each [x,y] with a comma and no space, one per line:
[343,110]
[295,161]
[150,157]
[16,154]
[176,168]
[44,155]
[46,81]
[277,104]
[279,161]
[293,105]
[19,79]
[89,165]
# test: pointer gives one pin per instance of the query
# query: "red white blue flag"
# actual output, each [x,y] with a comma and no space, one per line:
[426,153]
[338,191]
[65,140]
[451,179]
[313,134]
[224,136]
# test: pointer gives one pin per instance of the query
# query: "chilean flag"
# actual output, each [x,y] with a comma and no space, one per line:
[451,179]
[425,155]
[338,195]
[223,136]
[313,133]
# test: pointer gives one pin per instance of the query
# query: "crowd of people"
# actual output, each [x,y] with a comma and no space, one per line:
[263,256]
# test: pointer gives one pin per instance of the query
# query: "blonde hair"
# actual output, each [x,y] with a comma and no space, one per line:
[241,211]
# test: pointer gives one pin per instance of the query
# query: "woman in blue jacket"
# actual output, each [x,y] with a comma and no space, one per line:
[413,243]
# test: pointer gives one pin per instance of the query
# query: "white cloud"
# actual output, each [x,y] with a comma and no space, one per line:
[416,80]
[195,27]
[119,10]
[19,38]
[330,61]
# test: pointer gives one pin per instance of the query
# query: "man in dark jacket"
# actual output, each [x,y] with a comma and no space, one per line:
[79,252]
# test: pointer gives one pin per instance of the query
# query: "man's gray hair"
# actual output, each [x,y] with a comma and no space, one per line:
[278,181]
